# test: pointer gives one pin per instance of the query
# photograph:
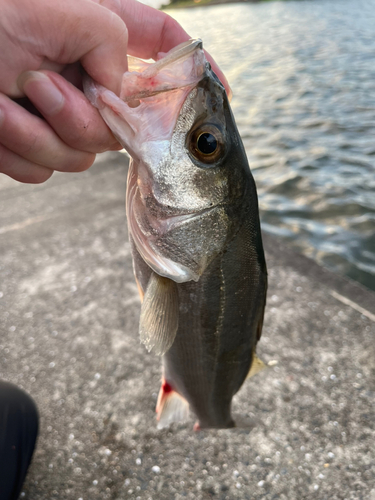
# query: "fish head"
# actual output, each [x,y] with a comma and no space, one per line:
[186,174]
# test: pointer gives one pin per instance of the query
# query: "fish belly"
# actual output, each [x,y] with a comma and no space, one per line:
[220,322]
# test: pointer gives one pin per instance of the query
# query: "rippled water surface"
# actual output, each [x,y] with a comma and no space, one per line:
[303,78]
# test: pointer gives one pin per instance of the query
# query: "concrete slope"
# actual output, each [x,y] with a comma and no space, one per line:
[69,316]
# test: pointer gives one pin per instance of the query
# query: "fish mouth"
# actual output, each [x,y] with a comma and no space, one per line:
[182,51]
[179,53]
[145,80]
[159,85]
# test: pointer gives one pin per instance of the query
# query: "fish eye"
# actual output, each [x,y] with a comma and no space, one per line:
[206,143]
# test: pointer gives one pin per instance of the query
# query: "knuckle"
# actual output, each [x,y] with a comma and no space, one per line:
[118,34]
[116,18]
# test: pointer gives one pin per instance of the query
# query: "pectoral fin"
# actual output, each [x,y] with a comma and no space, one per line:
[256,366]
[140,290]
[159,314]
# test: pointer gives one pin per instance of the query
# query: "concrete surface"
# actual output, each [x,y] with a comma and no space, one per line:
[68,316]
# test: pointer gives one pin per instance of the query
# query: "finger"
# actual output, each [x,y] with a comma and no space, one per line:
[20,169]
[33,139]
[152,31]
[68,112]
[107,61]
[49,34]
[149,30]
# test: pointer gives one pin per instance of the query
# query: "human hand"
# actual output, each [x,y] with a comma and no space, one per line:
[42,42]
[151,31]
[36,37]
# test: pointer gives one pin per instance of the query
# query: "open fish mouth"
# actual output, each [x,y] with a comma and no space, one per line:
[154,79]
[151,96]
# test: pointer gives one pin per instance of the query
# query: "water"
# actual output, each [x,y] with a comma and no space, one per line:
[303,79]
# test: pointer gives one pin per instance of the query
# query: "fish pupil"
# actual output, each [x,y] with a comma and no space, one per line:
[207,143]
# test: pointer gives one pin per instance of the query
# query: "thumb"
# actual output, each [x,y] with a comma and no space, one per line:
[95,36]
[107,61]
[45,34]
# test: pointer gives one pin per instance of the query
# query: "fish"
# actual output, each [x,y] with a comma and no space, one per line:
[194,229]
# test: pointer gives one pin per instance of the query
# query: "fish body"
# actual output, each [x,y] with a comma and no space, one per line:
[194,228]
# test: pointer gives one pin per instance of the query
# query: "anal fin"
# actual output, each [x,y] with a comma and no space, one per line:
[158,323]
[256,366]
[171,407]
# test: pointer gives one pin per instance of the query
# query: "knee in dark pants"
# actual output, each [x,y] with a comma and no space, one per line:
[18,432]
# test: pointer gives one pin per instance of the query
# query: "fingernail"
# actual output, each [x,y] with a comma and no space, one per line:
[42,92]
[2,116]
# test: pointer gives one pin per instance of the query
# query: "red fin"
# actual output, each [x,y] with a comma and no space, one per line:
[171,407]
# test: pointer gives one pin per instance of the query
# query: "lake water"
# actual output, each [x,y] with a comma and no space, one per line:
[303,79]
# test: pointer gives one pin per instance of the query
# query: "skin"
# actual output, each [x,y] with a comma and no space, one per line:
[46,122]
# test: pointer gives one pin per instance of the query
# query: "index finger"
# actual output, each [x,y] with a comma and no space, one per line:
[152,31]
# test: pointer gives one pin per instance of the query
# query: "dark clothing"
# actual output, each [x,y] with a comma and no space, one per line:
[18,432]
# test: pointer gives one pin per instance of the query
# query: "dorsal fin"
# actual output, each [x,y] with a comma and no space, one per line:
[159,314]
